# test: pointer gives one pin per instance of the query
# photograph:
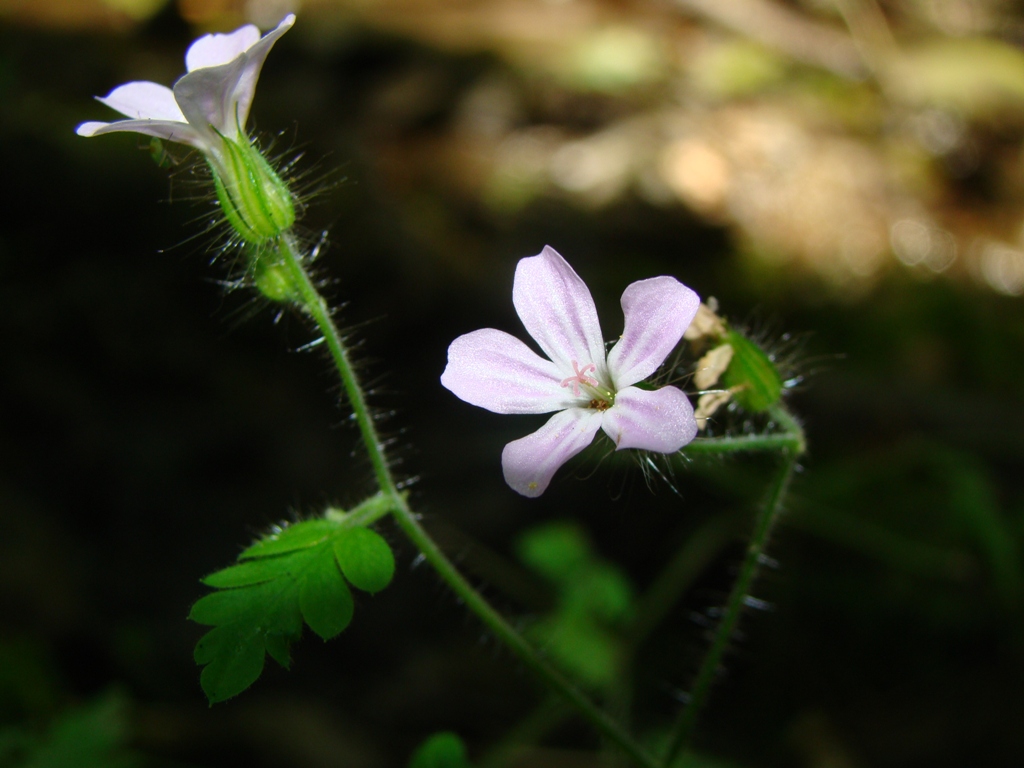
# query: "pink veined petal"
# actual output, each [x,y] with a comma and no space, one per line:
[657,311]
[182,133]
[530,462]
[143,100]
[558,311]
[216,49]
[661,420]
[496,371]
[221,96]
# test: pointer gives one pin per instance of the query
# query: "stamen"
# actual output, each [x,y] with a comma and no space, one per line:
[580,377]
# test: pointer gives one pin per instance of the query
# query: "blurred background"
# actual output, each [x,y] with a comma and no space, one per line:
[846,177]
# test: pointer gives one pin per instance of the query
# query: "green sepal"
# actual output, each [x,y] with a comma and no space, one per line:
[365,559]
[442,750]
[751,376]
[290,577]
[255,200]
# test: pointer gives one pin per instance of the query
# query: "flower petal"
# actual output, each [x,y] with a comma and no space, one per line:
[216,49]
[530,462]
[496,371]
[143,100]
[661,420]
[558,312]
[182,133]
[657,311]
[220,96]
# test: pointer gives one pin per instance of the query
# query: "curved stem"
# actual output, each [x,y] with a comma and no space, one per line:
[311,300]
[494,621]
[316,306]
[709,667]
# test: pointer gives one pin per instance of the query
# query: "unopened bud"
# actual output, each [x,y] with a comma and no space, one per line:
[254,199]
[272,278]
[751,376]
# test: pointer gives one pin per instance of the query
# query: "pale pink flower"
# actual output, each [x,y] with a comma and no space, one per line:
[208,104]
[588,389]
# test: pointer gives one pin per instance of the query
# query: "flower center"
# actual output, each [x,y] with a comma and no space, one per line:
[580,378]
[601,399]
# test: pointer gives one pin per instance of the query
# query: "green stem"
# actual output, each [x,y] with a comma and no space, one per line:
[494,621]
[314,304]
[710,665]
[700,548]
[791,438]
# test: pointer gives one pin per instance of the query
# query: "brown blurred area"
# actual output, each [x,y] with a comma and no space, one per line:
[843,140]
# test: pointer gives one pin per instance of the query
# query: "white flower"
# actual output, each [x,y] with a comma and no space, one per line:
[589,389]
[207,109]
[208,104]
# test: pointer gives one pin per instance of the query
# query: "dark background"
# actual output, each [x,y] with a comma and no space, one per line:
[154,421]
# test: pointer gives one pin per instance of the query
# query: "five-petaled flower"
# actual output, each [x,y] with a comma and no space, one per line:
[207,109]
[589,389]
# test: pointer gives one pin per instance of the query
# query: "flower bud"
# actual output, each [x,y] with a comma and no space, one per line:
[254,199]
[751,376]
[272,279]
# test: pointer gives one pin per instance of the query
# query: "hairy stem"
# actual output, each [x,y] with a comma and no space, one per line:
[315,305]
[789,439]
[765,521]
[494,621]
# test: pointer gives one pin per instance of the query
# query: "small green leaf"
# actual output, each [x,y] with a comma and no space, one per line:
[751,375]
[581,647]
[292,576]
[325,601]
[442,750]
[296,536]
[365,559]
[555,550]
[228,674]
[249,572]
[602,591]
[221,607]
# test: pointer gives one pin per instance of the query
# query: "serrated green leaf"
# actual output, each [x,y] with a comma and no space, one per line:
[230,670]
[250,572]
[324,599]
[365,559]
[442,750]
[296,536]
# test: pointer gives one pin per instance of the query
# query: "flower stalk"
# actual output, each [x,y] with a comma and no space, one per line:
[763,525]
